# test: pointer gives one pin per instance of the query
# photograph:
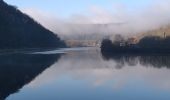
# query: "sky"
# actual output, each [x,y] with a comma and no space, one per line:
[76,18]
[65,8]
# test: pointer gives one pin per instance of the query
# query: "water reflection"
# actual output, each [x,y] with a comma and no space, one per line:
[17,70]
[156,61]
[90,75]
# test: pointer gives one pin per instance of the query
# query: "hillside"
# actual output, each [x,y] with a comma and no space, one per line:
[19,31]
[157,32]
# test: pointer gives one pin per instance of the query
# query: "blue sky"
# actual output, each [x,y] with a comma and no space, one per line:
[68,7]
[136,15]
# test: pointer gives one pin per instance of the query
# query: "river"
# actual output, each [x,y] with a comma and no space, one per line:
[83,74]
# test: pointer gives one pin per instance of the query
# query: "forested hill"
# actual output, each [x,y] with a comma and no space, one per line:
[19,31]
[156,32]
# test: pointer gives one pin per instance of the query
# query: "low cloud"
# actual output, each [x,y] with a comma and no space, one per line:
[99,22]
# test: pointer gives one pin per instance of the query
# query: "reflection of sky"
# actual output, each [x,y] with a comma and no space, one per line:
[87,76]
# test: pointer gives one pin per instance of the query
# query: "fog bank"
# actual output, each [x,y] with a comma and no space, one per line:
[99,22]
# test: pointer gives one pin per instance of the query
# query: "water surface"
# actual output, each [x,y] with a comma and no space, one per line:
[84,74]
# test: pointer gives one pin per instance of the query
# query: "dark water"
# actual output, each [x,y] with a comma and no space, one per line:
[84,74]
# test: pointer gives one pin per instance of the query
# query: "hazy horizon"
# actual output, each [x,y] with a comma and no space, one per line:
[97,19]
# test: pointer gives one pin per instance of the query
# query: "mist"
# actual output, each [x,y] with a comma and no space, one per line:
[97,22]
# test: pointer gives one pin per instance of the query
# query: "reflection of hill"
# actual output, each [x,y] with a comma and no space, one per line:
[157,61]
[18,70]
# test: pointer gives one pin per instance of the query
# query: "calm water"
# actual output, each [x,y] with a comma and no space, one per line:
[83,74]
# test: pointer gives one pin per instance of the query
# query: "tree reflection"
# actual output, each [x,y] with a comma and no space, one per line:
[16,70]
[157,61]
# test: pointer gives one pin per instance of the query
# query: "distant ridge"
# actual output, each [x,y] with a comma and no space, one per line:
[156,32]
[19,31]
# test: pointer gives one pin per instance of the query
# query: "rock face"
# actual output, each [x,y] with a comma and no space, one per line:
[18,31]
